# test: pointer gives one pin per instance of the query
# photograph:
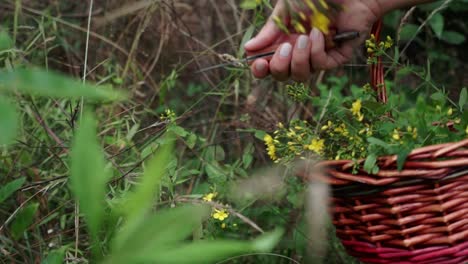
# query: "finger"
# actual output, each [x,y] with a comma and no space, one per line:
[280,63]
[269,33]
[300,63]
[260,68]
[321,59]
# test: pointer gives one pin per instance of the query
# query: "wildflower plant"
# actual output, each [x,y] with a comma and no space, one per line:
[358,127]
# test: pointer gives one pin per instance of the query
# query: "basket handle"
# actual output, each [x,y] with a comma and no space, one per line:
[376,69]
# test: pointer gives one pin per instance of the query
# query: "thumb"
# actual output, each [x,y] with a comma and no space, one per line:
[269,33]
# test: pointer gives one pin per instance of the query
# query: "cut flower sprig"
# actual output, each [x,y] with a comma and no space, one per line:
[304,15]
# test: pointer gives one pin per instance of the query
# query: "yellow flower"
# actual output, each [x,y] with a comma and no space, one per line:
[450,111]
[415,133]
[317,145]
[299,27]
[272,152]
[209,197]
[356,107]
[220,214]
[356,110]
[321,22]
[396,134]
[318,19]
[269,142]
[342,130]
[328,125]
[388,42]
[303,16]
[324,4]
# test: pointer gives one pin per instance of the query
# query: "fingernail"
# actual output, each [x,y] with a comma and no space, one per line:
[249,42]
[260,66]
[285,50]
[314,35]
[302,42]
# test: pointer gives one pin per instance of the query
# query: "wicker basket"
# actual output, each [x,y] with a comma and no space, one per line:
[416,215]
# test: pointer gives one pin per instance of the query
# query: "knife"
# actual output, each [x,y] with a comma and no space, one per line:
[336,40]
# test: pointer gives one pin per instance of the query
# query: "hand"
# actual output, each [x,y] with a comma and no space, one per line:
[299,55]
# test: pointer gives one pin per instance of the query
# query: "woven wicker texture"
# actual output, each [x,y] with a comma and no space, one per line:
[415,215]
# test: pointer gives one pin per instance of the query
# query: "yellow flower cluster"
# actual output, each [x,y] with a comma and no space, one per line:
[356,110]
[341,129]
[413,131]
[372,46]
[271,149]
[168,115]
[317,18]
[367,130]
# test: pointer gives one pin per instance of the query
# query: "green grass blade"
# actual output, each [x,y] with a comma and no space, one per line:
[23,219]
[88,174]
[55,256]
[138,202]
[46,83]
[11,187]
[8,121]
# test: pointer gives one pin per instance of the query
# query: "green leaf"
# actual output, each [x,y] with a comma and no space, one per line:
[5,41]
[370,163]
[140,200]
[439,96]
[247,36]
[408,31]
[249,4]
[88,174]
[260,134]
[8,121]
[378,142]
[463,98]
[179,131]
[266,242]
[215,172]
[191,140]
[247,159]
[214,153]
[437,24]
[23,219]
[44,83]
[211,251]
[453,37]
[55,256]
[11,187]
[401,158]
[151,234]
